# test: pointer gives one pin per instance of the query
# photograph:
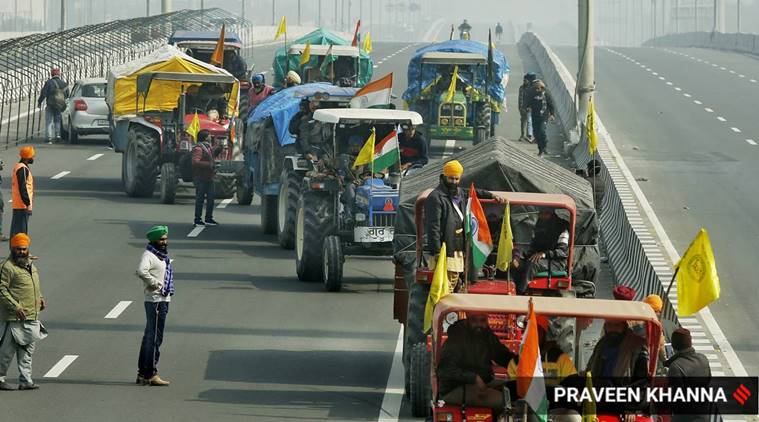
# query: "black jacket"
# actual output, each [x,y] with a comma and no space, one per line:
[443,223]
[414,149]
[47,89]
[545,238]
[524,91]
[467,354]
[688,367]
[540,103]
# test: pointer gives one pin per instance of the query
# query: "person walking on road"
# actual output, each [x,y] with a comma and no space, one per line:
[22,191]
[157,275]
[54,94]
[203,171]
[524,113]
[21,302]
[688,368]
[498,31]
[541,109]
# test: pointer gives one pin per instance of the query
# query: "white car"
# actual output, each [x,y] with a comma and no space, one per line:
[86,110]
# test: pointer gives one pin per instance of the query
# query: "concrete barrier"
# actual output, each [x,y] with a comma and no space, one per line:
[742,43]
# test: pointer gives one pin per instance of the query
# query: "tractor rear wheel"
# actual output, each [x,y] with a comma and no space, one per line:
[333,260]
[420,395]
[413,331]
[140,164]
[289,193]
[244,193]
[244,103]
[482,123]
[168,183]
[314,221]
[269,214]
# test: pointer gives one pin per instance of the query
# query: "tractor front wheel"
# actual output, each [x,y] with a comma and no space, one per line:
[333,259]
[269,214]
[482,124]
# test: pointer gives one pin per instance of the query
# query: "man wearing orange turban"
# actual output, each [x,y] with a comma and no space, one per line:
[21,302]
[22,191]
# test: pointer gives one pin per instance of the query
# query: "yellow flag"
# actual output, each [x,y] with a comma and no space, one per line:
[452,86]
[439,287]
[505,241]
[305,56]
[368,43]
[697,279]
[366,155]
[194,127]
[590,128]
[217,58]
[589,407]
[281,29]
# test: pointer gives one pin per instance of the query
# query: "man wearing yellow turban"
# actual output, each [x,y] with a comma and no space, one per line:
[444,219]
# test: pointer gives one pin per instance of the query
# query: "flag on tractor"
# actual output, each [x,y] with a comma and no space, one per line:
[478,230]
[530,383]
[439,288]
[490,66]
[505,241]
[450,37]
[217,58]
[194,127]
[697,279]
[368,43]
[374,94]
[354,43]
[328,59]
[590,128]
[366,154]
[452,86]
[305,56]
[589,406]
[281,29]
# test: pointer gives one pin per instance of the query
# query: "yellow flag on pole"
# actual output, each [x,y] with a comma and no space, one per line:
[368,43]
[505,241]
[590,128]
[439,288]
[194,127]
[305,57]
[452,86]
[217,58]
[366,155]
[281,29]
[697,279]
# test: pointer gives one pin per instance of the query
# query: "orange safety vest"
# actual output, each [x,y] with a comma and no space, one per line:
[18,204]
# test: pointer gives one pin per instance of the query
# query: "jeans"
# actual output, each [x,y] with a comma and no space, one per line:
[52,124]
[539,127]
[155,319]
[20,222]
[204,191]
[526,121]
[9,347]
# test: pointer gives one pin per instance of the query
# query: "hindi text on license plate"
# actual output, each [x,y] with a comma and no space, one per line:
[373,234]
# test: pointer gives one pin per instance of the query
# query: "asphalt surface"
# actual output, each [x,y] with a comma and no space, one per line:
[245,340]
[687,129]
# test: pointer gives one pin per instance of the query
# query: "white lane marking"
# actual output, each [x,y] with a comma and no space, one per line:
[224,203]
[654,73]
[708,110]
[714,65]
[95,157]
[741,76]
[687,95]
[61,366]
[722,68]
[751,141]
[753,81]
[678,89]
[375,66]
[661,78]
[118,309]
[733,72]
[721,119]
[391,401]
[196,231]
[669,83]
[697,102]
[735,129]
[61,174]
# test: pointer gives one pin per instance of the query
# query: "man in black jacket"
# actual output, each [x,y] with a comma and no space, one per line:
[465,371]
[444,219]
[413,148]
[541,108]
[688,368]
[548,249]
[523,101]
[54,94]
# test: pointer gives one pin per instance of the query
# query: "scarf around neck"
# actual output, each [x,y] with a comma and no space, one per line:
[168,279]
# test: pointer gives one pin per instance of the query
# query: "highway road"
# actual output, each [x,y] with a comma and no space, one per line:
[685,123]
[245,340]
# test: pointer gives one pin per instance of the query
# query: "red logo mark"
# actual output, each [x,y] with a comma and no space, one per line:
[742,394]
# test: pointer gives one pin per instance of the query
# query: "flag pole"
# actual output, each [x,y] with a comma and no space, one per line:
[671,282]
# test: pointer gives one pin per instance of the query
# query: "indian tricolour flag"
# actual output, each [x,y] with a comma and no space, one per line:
[374,94]
[530,383]
[479,232]
[387,152]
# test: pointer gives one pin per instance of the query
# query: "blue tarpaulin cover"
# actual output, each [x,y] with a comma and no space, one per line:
[429,73]
[283,105]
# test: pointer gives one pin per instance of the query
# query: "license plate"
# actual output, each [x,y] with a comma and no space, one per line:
[101,122]
[373,234]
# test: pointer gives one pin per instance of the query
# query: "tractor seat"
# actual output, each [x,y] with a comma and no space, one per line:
[553,274]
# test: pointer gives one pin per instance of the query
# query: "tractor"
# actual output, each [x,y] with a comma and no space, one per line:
[155,142]
[325,228]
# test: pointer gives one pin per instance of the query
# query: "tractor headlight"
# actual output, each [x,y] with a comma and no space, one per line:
[458,110]
[459,122]
[444,121]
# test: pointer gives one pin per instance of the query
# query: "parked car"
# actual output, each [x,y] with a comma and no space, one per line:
[86,112]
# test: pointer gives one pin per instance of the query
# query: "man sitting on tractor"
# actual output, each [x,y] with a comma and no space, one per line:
[413,148]
[548,250]
[465,371]
[444,219]
[619,353]
[351,177]
[309,133]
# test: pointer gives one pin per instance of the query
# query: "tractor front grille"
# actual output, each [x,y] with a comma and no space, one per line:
[383,219]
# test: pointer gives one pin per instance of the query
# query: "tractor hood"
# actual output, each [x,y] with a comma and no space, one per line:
[216,129]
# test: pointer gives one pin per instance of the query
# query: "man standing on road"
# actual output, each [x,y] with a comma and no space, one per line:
[203,172]
[54,93]
[21,302]
[524,113]
[156,273]
[22,191]
[541,108]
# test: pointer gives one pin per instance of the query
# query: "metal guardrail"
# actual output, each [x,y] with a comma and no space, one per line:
[88,51]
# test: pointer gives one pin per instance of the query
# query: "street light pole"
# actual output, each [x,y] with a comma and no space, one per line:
[63,15]
[739,17]
[320,13]
[695,13]
[298,12]
[273,21]
[586,72]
